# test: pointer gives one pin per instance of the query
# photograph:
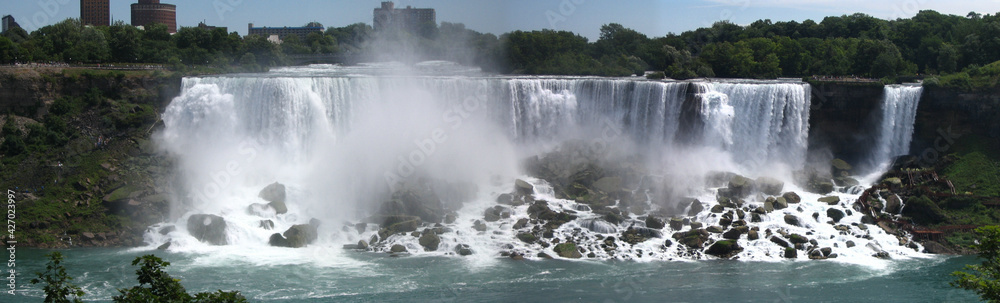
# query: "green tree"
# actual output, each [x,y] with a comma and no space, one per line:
[984,279]
[57,288]
[125,42]
[155,285]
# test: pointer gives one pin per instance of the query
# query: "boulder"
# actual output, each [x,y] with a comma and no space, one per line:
[429,240]
[781,242]
[893,204]
[495,213]
[715,229]
[505,198]
[831,200]
[277,240]
[769,186]
[840,167]
[279,207]
[567,250]
[724,249]
[797,239]
[275,192]
[300,235]
[835,214]
[362,244]
[523,187]
[752,235]
[780,203]
[526,237]
[816,255]
[696,225]
[732,234]
[414,200]
[718,179]
[463,250]
[791,253]
[695,207]
[479,226]
[768,206]
[792,220]
[656,223]
[210,229]
[676,223]
[849,244]
[932,247]
[846,181]
[608,184]
[397,248]
[266,224]
[791,197]
[398,224]
[521,223]
[718,209]
[740,186]
[923,210]
[694,238]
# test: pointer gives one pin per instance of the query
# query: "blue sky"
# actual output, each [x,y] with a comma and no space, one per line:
[654,18]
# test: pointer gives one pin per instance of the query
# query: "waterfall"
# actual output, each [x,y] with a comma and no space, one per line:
[897,113]
[340,143]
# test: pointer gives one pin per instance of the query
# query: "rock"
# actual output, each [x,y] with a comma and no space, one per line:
[279,207]
[840,167]
[792,220]
[694,238]
[882,255]
[831,200]
[465,250]
[826,251]
[834,214]
[567,250]
[791,253]
[696,225]
[163,246]
[816,255]
[932,247]
[732,234]
[768,207]
[676,223]
[495,213]
[866,219]
[362,244]
[718,209]
[430,241]
[822,187]
[523,187]
[654,222]
[266,224]
[780,203]
[797,239]
[695,207]
[791,197]
[168,229]
[544,255]
[740,187]
[210,229]
[88,235]
[717,178]
[521,223]
[361,227]
[715,229]
[505,198]
[923,210]
[275,192]
[849,244]
[755,217]
[450,218]
[893,204]
[300,235]
[414,200]
[752,235]
[479,226]
[724,249]
[397,248]
[781,242]
[398,224]
[846,181]
[608,184]
[277,240]
[769,186]
[526,237]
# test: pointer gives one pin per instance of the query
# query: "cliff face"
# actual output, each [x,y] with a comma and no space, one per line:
[85,172]
[840,118]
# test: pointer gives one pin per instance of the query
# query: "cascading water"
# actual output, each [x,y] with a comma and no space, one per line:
[898,112]
[341,141]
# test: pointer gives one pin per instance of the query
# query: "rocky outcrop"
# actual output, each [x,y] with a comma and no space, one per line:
[567,250]
[210,229]
[274,194]
[298,235]
[724,249]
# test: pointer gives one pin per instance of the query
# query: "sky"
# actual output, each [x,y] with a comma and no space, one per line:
[585,17]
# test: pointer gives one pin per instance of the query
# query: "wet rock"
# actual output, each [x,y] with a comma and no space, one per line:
[768,207]
[840,167]
[780,203]
[362,244]
[696,225]
[521,223]
[882,255]
[465,250]
[781,242]
[695,207]
[791,197]
[526,237]
[733,234]
[567,250]
[655,223]
[791,253]
[300,235]
[846,181]
[210,229]
[831,200]
[608,184]
[495,213]
[849,244]
[397,248]
[163,246]
[826,251]
[715,229]
[792,220]
[429,240]
[505,198]
[740,187]
[274,194]
[816,255]
[479,226]
[168,229]
[769,186]
[450,218]
[797,239]
[676,224]
[752,235]
[835,214]
[694,238]
[866,219]
[523,187]
[718,209]
[724,249]
[266,224]
[398,224]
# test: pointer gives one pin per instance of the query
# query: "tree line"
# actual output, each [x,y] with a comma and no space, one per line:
[930,43]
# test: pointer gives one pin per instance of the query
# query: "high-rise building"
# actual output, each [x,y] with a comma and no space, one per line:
[409,18]
[147,12]
[95,12]
[9,23]
[282,32]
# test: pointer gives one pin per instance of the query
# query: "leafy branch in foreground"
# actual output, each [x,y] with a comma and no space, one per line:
[984,279]
[57,283]
[155,285]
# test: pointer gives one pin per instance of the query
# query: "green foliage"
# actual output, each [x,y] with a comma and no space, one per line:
[58,287]
[155,285]
[984,279]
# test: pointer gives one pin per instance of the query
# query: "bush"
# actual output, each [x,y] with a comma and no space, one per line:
[155,285]
[57,283]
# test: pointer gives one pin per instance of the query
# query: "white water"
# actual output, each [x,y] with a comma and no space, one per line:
[898,111]
[333,139]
